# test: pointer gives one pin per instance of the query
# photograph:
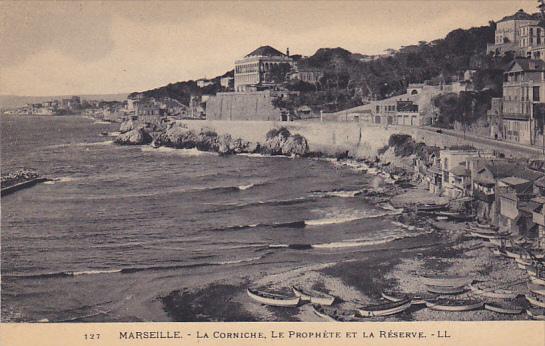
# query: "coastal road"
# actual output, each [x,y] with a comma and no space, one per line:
[515,148]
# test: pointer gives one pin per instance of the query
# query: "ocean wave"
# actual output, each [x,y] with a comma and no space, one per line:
[286,224]
[346,218]
[337,219]
[336,193]
[80,144]
[273,202]
[264,155]
[246,187]
[338,244]
[354,165]
[101,122]
[129,270]
[94,272]
[291,201]
[181,152]
[62,180]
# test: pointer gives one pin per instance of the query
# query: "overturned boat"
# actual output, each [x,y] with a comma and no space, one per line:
[446,289]
[484,290]
[504,307]
[442,304]
[535,300]
[273,299]
[385,309]
[313,297]
[446,280]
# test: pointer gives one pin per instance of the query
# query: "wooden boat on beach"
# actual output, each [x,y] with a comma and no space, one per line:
[499,241]
[535,300]
[536,314]
[385,309]
[536,289]
[499,252]
[416,299]
[446,289]
[523,262]
[490,292]
[487,234]
[273,299]
[446,281]
[442,304]
[535,271]
[329,314]
[431,207]
[394,296]
[313,297]
[537,280]
[504,307]
[516,253]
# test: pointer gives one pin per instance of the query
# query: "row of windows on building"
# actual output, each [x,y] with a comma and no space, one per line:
[252,78]
[520,77]
[515,95]
[255,67]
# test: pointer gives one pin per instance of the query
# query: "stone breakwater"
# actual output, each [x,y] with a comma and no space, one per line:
[277,141]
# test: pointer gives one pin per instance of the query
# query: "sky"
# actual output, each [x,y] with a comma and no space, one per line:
[62,48]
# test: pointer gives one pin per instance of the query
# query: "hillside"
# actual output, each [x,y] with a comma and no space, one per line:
[182,91]
[350,79]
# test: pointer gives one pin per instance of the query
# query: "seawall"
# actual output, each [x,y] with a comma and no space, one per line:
[26,184]
[362,141]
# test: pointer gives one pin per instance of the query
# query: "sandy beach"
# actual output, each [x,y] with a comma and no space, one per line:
[358,278]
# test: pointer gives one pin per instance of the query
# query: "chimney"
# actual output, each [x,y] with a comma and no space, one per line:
[288,51]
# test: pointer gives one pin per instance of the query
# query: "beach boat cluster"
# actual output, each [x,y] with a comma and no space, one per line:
[526,258]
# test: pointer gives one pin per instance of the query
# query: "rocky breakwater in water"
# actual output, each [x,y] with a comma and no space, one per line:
[278,141]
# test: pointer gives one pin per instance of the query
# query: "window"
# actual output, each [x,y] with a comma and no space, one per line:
[535,93]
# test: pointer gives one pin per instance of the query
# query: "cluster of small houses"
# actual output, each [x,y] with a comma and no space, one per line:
[507,193]
[53,107]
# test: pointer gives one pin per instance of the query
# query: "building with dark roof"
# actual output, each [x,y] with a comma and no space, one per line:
[261,69]
[523,91]
[513,34]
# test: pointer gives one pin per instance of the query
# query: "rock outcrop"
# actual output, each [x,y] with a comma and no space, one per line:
[295,145]
[126,126]
[279,141]
[136,136]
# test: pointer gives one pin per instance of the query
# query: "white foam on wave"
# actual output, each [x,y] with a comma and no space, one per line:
[94,272]
[341,194]
[349,244]
[243,260]
[81,144]
[245,187]
[332,220]
[354,165]
[346,217]
[114,134]
[60,180]
[263,155]
[101,122]
[181,152]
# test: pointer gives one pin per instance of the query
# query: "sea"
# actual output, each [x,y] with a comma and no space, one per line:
[119,227]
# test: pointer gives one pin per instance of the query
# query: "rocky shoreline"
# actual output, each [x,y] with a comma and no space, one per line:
[439,246]
[278,141]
